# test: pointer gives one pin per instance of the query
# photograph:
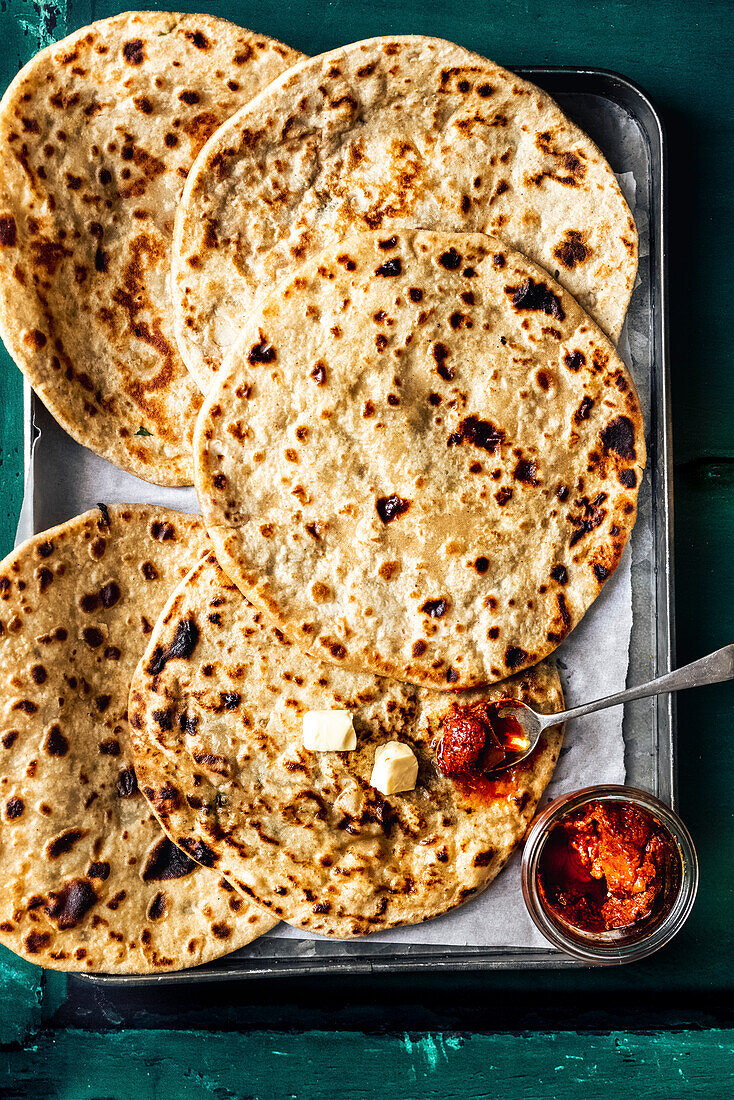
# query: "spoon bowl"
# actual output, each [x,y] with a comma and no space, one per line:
[713,669]
[532,725]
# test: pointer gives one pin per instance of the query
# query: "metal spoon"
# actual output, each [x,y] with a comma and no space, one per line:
[713,669]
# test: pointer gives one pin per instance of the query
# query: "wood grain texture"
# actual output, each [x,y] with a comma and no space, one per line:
[683,55]
[277,1065]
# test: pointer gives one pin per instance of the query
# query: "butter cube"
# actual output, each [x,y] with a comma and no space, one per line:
[395,768]
[328,731]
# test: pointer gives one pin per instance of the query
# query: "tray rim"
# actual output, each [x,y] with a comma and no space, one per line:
[621,90]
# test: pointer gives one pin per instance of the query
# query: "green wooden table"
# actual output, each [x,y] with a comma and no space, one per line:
[662,1028]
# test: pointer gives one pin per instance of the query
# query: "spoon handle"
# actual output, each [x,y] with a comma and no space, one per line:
[712,669]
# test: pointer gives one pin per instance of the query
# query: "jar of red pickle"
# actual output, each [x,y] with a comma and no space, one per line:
[609,874]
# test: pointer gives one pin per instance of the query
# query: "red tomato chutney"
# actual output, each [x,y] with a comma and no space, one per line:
[605,866]
[479,738]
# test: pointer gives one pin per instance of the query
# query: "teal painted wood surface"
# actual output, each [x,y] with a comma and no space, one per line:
[683,54]
[436,1066]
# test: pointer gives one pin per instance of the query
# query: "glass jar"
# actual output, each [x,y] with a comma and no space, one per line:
[620,945]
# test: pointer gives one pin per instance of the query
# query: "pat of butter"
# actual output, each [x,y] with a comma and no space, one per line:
[395,768]
[328,731]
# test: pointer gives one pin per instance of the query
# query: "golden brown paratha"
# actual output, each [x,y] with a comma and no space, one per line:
[89,882]
[216,711]
[97,134]
[422,459]
[392,133]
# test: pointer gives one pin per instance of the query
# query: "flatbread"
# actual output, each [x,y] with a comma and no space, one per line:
[388,134]
[422,460]
[97,134]
[89,882]
[217,737]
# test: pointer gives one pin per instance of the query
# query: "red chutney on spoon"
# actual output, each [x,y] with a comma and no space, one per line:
[477,739]
[604,866]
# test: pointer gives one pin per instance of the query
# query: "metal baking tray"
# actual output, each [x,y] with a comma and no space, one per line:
[620,118]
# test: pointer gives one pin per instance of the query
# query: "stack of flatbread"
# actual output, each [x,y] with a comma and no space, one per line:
[367,303]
